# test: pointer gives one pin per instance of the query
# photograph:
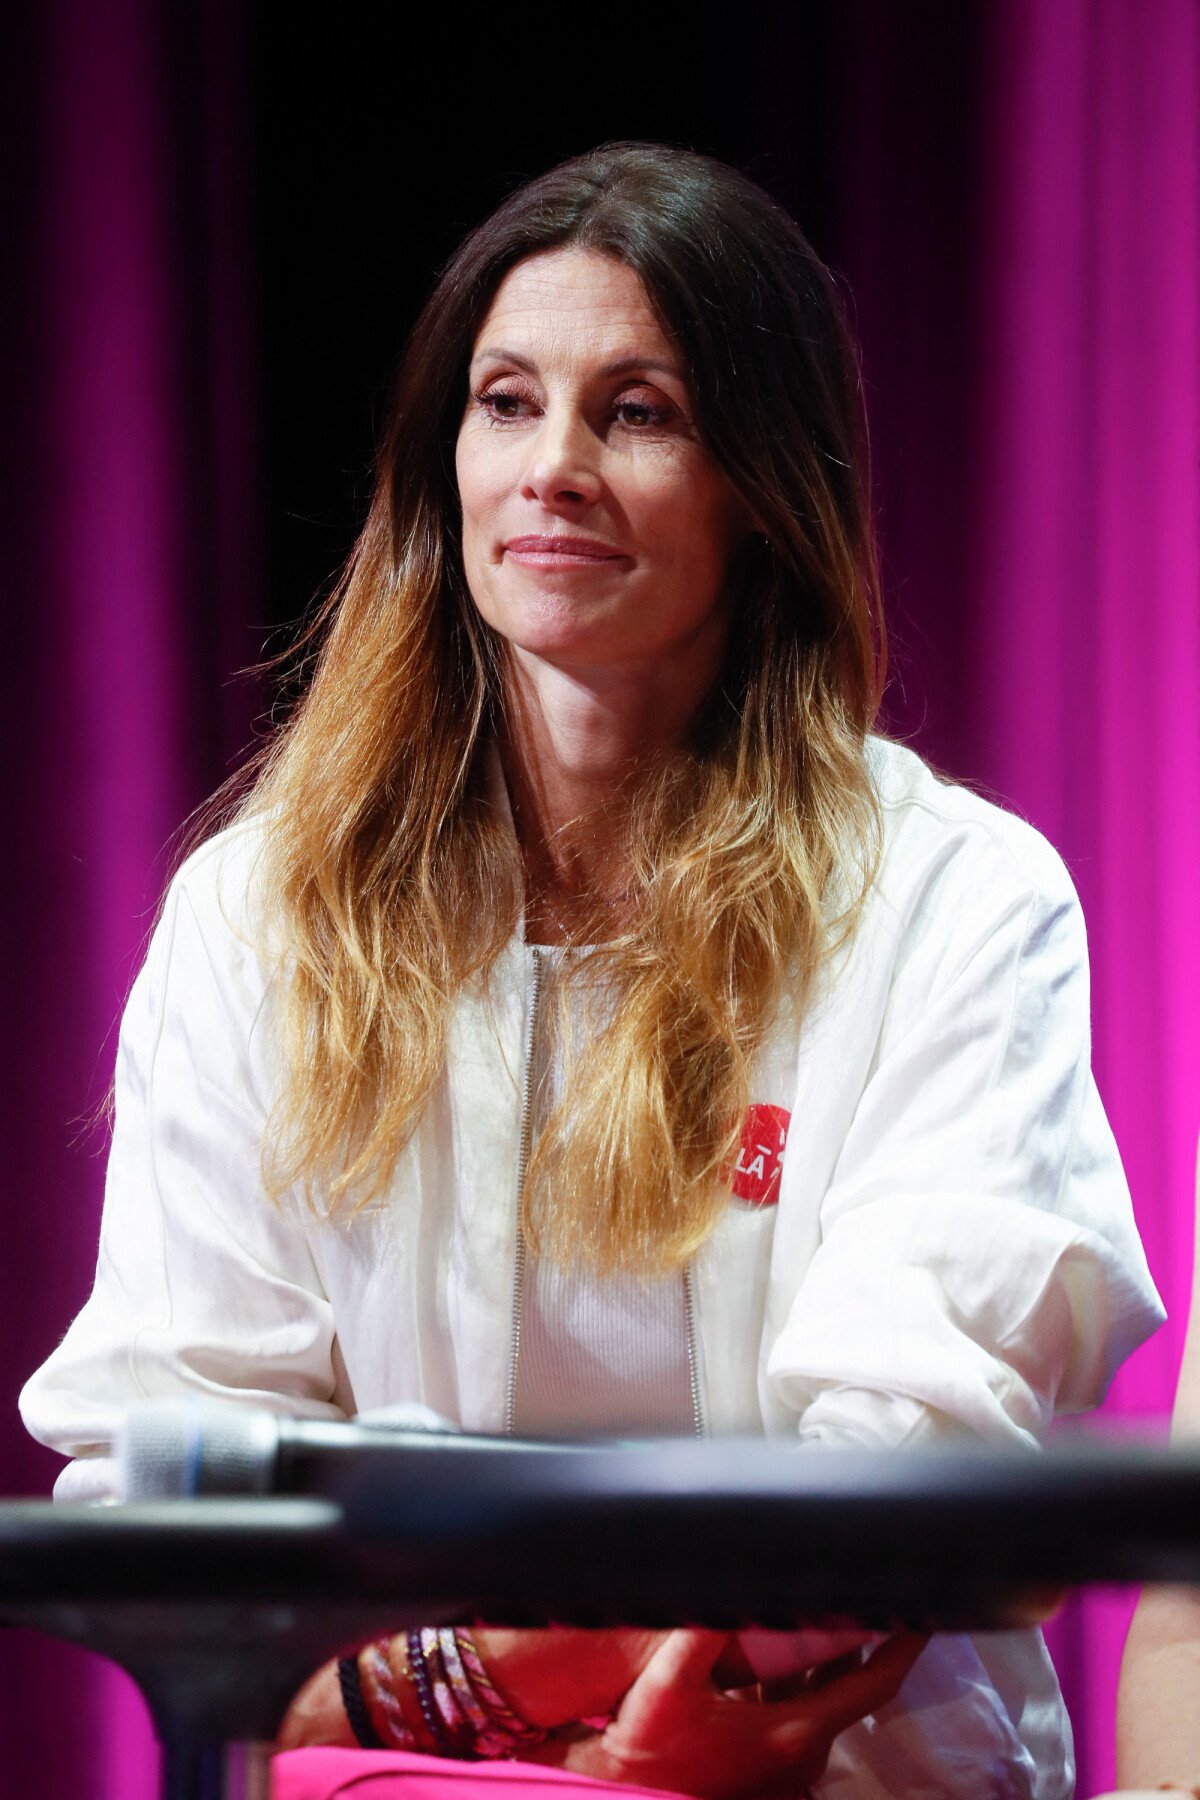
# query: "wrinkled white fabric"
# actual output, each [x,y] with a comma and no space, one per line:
[952,1252]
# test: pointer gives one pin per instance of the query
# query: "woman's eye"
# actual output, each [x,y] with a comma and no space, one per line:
[501,403]
[638,414]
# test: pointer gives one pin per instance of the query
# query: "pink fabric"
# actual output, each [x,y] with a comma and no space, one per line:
[395,1775]
[1084,672]
[1023,247]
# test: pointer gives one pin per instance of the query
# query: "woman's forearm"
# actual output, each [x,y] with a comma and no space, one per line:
[548,1678]
[1158,1715]
[553,1677]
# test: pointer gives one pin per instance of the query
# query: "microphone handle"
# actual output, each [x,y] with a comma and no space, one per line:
[317,1458]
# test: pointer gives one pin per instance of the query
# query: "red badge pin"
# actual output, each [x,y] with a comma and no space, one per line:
[760,1156]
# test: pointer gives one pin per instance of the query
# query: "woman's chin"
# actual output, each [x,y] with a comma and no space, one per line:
[571,643]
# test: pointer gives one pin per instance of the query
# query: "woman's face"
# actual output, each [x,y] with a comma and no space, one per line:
[597,529]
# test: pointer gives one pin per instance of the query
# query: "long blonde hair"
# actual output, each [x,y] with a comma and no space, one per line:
[753,852]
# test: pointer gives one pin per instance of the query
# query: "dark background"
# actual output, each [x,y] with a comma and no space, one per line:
[377,145]
[384,145]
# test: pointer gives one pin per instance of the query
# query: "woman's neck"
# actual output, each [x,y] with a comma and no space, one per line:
[576,752]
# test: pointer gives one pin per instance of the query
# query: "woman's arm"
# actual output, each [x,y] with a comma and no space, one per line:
[676,1726]
[201,1284]
[549,1678]
[978,1267]
[1158,1703]
[1158,1706]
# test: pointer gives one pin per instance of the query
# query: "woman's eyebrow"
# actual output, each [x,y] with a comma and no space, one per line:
[623,365]
[626,364]
[497,353]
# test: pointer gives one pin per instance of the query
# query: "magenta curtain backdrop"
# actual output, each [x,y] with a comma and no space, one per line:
[1021,232]
[132,526]
[1083,685]
[1021,226]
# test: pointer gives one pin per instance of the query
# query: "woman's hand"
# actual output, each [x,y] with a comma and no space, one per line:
[676,1730]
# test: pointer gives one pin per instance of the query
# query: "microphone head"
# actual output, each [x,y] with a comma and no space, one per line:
[179,1446]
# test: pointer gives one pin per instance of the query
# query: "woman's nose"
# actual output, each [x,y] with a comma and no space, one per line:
[563,467]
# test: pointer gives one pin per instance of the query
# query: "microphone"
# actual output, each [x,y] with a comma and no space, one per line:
[186,1446]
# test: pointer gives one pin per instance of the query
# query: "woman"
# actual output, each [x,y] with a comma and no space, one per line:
[587,1026]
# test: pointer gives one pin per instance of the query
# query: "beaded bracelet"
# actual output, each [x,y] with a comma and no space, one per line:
[518,1729]
[443,1744]
[453,1716]
[491,1738]
[464,1715]
[350,1682]
[399,1733]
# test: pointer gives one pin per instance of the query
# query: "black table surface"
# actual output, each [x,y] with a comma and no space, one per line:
[721,1532]
[219,1607]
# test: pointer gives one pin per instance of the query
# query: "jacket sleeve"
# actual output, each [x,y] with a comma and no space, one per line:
[202,1283]
[978,1267]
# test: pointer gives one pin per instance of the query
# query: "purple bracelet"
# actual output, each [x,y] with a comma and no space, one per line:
[442,1742]
[450,1708]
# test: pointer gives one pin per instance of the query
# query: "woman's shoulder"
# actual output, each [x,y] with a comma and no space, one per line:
[933,827]
[220,887]
[210,960]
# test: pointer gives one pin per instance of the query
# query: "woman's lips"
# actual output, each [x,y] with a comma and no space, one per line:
[543,552]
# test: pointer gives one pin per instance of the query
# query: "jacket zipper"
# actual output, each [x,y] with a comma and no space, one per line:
[525,1146]
[699,1415]
[520,1258]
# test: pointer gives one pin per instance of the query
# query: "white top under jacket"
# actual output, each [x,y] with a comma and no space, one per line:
[952,1250]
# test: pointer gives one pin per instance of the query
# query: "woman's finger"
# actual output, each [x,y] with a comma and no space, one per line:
[686,1658]
[850,1697]
[676,1731]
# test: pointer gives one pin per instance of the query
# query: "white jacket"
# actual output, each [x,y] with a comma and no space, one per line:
[952,1250]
